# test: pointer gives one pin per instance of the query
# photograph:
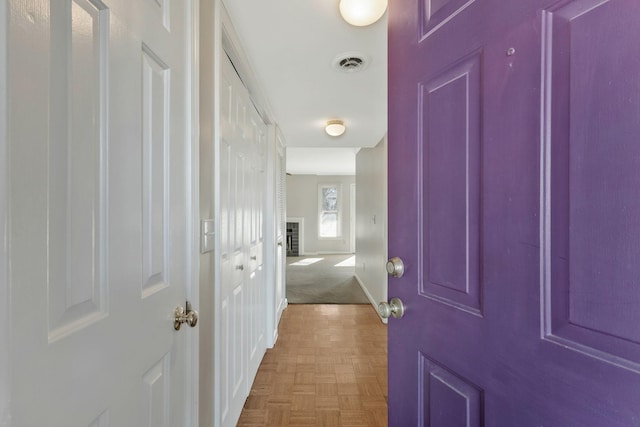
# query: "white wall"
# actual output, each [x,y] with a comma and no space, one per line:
[371,221]
[274,219]
[279,217]
[5,307]
[210,48]
[302,202]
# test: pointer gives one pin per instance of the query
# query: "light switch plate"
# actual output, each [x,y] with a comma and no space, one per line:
[207,235]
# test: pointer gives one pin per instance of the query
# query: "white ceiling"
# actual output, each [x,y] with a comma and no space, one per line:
[321,161]
[291,46]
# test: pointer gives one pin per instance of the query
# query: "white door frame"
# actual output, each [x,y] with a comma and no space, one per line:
[274,255]
[281,279]
[271,236]
[5,304]
[192,355]
[352,218]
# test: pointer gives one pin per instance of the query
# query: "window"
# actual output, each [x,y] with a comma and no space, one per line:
[329,211]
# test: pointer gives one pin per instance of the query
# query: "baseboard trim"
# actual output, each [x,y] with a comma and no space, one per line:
[325,253]
[335,253]
[373,302]
[281,308]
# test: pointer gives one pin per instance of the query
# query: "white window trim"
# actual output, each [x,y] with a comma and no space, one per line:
[339,211]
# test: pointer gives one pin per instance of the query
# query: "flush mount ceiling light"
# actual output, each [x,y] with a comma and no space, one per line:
[362,12]
[335,127]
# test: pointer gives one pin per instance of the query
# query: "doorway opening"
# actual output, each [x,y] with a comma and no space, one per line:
[295,237]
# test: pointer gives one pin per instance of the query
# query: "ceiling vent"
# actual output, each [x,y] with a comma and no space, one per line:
[351,62]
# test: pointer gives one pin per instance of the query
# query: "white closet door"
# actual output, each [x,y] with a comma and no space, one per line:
[242,304]
[231,342]
[256,293]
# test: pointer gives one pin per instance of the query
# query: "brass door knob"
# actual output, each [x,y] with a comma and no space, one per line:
[182,315]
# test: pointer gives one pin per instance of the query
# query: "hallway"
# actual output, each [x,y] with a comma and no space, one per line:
[323,279]
[328,368]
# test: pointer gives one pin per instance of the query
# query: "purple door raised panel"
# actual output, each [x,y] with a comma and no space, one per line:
[514,201]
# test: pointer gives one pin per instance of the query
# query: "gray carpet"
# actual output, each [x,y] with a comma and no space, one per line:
[319,280]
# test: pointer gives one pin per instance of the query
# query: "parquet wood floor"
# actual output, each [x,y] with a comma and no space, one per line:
[328,368]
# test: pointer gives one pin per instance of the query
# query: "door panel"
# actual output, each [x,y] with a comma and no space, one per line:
[435,13]
[78,289]
[450,161]
[155,88]
[592,229]
[448,399]
[155,389]
[512,134]
[99,208]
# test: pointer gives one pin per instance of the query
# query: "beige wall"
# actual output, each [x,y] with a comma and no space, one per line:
[209,69]
[371,220]
[5,303]
[302,202]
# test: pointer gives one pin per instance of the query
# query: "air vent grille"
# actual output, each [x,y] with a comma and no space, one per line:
[351,62]
[348,64]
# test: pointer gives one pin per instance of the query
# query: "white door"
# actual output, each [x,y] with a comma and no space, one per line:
[242,303]
[231,317]
[100,224]
[257,304]
[274,256]
[281,227]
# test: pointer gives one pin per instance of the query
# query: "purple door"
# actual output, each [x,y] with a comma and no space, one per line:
[514,202]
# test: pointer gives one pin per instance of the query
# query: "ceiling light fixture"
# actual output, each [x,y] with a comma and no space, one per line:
[335,127]
[362,12]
